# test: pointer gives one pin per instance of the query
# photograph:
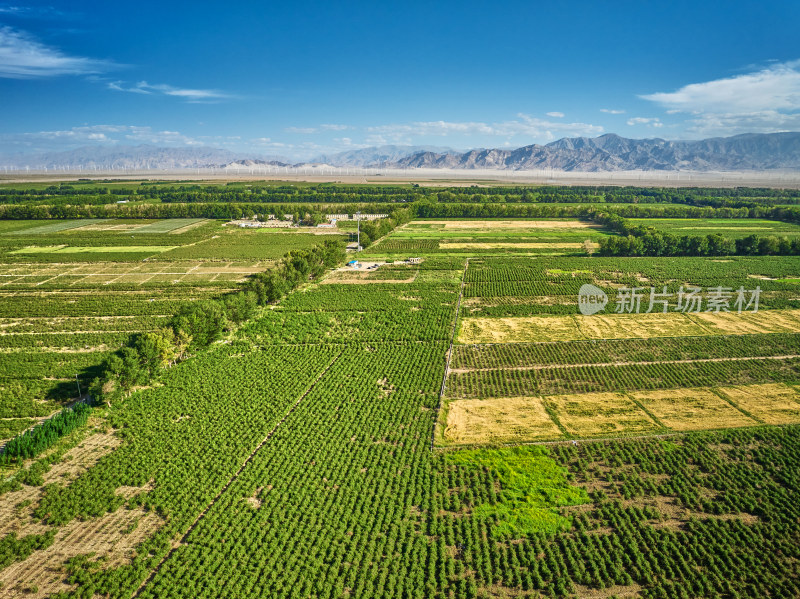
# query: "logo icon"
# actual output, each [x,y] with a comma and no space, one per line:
[591,299]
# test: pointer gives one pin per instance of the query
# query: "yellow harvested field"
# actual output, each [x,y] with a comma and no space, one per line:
[766,321]
[509,224]
[514,329]
[592,414]
[773,403]
[625,326]
[510,245]
[630,326]
[499,420]
[691,409]
[596,415]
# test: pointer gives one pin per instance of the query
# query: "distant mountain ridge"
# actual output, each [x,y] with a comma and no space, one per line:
[610,152]
[376,155]
[142,157]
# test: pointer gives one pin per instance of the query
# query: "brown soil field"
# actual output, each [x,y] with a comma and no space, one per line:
[112,537]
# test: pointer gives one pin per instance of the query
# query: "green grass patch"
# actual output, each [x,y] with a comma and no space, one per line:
[532,488]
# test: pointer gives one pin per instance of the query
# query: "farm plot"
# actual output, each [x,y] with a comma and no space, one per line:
[59,322]
[115,274]
[625,326]
[172,225]
[459,237]
[532,419]
[727,227]
[57,226]
[692,409]
[516,286]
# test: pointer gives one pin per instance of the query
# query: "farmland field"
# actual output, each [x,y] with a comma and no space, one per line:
[445,428]
[73,292]
[488,237]
[734,228]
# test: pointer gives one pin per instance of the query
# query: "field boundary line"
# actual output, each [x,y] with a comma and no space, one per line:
[449,354]
[234,477]
[607,364]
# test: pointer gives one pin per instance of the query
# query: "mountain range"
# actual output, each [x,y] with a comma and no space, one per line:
[614,153]
[375,156]
[751,151]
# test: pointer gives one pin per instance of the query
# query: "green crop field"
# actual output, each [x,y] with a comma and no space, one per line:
[734,228]
[449,427]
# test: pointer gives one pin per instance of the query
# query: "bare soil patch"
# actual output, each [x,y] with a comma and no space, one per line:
[113,537]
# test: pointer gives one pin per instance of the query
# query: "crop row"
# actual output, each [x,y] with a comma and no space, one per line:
[606,351]
[585,379]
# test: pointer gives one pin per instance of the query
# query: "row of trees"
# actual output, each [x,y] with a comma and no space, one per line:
[42,436]
[643,240]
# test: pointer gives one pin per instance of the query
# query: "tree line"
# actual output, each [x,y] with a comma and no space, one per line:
[643,240]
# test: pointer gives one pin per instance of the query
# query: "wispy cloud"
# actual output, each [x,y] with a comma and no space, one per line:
[766,100]
[190,95]
[640,120]
[93,135]
[23,57]
[612,111]
[532,128]
[30,12]
[333,127]
[301,130]
[556,115]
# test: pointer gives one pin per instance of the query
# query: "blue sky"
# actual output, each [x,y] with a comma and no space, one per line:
[300,79]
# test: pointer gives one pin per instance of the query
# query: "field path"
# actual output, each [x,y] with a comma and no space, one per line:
[235,476]
[449,353]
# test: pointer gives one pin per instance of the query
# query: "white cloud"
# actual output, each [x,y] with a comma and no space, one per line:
[530,127]
[329,127]
[302,130]
[556,115]
[776,87]
[762,101]
[44,141]
[767,121]
[190,95]
[612,111]
[22,57]
[640,120]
